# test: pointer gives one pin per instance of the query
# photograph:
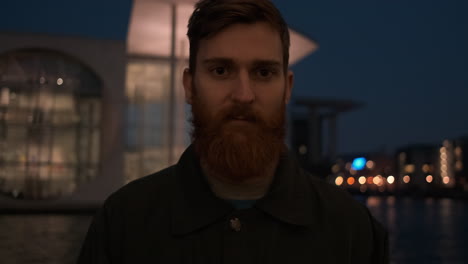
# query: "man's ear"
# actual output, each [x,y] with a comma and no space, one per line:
[289,86]
[188,87]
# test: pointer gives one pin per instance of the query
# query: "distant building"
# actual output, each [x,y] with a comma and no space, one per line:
[460,153]
[417,167]
[314,125]
[429,167]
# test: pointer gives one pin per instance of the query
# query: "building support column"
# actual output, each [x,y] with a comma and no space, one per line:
[172,97]
[315,149]
[333,136]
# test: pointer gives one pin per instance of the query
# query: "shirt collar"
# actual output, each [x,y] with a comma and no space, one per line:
[195,206]
[290,197]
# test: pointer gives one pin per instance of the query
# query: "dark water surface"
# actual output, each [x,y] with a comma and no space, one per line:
[421,231]
[424,230]
[48,239]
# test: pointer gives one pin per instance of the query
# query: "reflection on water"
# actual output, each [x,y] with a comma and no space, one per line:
[421,231]
[34,239]
[424,230]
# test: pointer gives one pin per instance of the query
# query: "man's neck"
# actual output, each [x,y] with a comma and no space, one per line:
[252,188]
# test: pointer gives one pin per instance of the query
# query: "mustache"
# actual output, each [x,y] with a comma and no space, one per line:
[242,112]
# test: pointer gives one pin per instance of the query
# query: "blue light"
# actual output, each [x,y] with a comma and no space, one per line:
[359,163]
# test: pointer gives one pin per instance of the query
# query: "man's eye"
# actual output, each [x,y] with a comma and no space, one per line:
[219,71]
[264,73]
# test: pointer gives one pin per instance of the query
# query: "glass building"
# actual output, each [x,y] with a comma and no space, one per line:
[49,124]
[81,116]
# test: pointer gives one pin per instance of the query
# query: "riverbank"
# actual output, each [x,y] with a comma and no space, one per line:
[51,207]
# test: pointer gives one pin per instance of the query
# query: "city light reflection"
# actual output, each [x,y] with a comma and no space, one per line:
[363,188]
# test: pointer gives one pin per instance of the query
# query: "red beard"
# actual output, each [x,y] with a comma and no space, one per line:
[233,149]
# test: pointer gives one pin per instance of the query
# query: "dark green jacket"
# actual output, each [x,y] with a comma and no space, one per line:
[173,217]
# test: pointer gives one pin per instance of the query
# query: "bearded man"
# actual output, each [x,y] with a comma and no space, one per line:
[236,195]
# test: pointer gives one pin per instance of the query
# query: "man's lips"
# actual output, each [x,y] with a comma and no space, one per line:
[239,118]
[242,119]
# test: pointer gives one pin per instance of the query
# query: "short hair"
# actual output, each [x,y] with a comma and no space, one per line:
[212,16]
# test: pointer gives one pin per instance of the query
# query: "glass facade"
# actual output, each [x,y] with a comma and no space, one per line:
[50,112]
[156,113]
[151,125]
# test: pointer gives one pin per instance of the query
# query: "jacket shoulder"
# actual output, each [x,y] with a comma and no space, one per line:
[150,189]
[336,201]
[345,211]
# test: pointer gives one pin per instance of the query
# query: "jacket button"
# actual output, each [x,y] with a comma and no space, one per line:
[235,224]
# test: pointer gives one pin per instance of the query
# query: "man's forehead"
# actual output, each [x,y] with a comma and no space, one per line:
[243,42]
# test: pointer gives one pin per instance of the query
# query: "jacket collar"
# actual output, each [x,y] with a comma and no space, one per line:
[194,205]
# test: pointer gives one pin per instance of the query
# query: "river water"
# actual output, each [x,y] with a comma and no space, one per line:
[421,231]
[424,230]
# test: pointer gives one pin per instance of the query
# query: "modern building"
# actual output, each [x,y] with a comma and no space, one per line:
[456,162]
[314,124]
[430,167]
[82,114]
[417,167]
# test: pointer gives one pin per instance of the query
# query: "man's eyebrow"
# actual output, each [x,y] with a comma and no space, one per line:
[217,61]
[255,63]
[267,63]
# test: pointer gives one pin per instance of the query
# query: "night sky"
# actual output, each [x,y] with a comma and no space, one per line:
[407,61]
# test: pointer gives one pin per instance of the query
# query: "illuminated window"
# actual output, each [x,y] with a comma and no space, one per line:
[409,168]
[150,123]
[429,178]
[370,164]
[406,179]
[402,156]
[458,152]
[348,165]
[378,180]
[362,180]
[426,168]
[339,180]
[50,115]
[446,143]
[446,180]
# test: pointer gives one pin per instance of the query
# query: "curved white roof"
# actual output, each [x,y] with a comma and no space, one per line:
[151,24]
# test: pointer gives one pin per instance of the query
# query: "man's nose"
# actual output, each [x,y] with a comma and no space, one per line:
[243,89]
